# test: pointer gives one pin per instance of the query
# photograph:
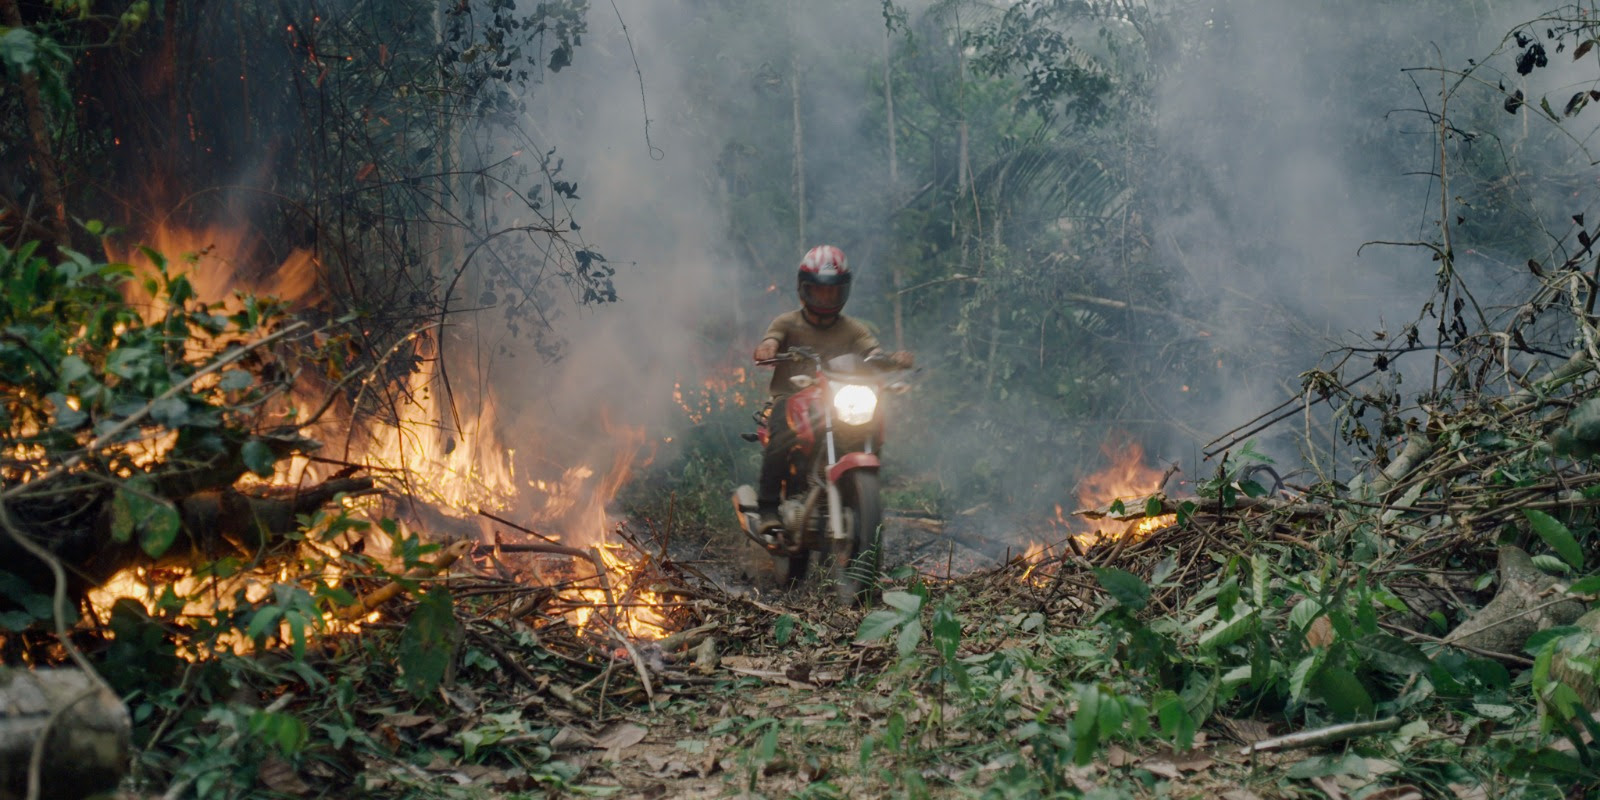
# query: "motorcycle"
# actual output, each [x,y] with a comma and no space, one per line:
[838,427]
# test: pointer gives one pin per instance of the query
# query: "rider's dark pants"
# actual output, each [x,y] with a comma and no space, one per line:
[775,459]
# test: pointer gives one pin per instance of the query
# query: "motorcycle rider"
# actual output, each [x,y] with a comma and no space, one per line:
[823,284]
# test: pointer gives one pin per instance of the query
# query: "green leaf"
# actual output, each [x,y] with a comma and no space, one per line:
[910,636]
[1152,506]
[878,625]
[1556,535]
[263,622]
[156,520]
[1124,587]
[235,379]
[1342,692]
[1252,488]
[905,601]
[1302,675]
[783,629]
[258,457]
[1229,632]
[428,643]
[947,631]
[1392,654]
[1585,586]
[1551,564]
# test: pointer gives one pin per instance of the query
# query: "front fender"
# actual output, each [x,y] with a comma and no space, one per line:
[852,461]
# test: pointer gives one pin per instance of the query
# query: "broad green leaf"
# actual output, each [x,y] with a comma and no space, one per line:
[1302,675]
[1237,675]
[1124,587]
[878,625]
[1392,654]
[1342,692]
[1177,726]
[1539,639]
[904,601]
[258,457]
[1083,722]
[1304,613]
[1585,586]
[1259,573]
[1550,564]
[72,370]
[1556,535]
[782,629]
[1229,632]
[233,380]
[947,631]
[910,636]
[428,643]
[1152,506]
[1227,598]
[263,622]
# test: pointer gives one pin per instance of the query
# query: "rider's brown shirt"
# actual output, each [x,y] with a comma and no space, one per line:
[844,336]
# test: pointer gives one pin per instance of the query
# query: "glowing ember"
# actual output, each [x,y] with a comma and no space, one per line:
[719,393]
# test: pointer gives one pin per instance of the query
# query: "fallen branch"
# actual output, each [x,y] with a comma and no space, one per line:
[1321,736]
[383,594]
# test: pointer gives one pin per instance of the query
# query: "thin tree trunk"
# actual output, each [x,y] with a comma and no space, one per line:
[39,138]
[799,139]
[895,270]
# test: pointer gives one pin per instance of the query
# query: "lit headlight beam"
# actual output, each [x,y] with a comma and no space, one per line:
[854,404]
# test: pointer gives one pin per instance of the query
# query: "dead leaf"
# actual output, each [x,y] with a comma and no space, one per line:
[1240,794]
[1118,757]
[1246,731]
[1402,792]
[620,737]
[279,776]
[665,766]
[1163,769]
[1320,632]
[1329,787]
[403,721]
[570,738]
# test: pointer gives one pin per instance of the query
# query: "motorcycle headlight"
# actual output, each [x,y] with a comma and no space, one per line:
[854,404]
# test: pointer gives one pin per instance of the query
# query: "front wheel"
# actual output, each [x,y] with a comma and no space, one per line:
[791,570]
[856,559]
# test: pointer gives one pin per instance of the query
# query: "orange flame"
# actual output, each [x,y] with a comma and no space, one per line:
[1127,479]
[462,468]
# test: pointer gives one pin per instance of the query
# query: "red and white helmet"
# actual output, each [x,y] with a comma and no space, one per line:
[823,267]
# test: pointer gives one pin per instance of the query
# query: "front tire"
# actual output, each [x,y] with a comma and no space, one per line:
[856,562]
[791,570]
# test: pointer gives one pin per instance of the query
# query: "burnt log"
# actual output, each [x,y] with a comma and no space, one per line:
[215,523]
[86,731]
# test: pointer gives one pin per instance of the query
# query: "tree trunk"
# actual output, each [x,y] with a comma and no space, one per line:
[90,734]
[895,271]
[799,139]
[39,138]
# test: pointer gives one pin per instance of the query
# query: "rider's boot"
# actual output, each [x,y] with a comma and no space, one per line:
[771,525]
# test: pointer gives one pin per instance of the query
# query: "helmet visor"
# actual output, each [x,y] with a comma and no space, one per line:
[824,298]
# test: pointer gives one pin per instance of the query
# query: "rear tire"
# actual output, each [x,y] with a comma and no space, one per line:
[856,563]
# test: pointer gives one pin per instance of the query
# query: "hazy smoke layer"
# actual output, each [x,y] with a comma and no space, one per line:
[1288,135]
[1296,134]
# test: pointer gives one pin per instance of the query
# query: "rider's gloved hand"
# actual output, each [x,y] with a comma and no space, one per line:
[767,350]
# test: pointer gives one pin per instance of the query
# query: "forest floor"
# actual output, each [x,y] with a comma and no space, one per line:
[776,695]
